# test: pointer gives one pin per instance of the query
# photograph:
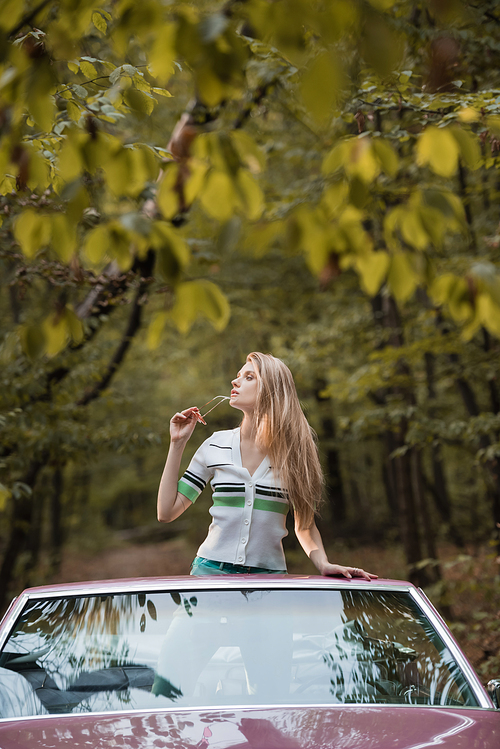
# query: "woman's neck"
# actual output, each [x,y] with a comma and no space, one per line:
[248,429]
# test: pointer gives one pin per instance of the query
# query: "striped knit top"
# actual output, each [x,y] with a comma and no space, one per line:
[248,511]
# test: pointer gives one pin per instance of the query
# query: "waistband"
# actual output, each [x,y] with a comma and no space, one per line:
[237,568]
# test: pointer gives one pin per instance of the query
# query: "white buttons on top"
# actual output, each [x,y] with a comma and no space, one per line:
[240,559]
[246,522]
[249,502]
[243,540]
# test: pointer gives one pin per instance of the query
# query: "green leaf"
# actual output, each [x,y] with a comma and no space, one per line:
[199,298]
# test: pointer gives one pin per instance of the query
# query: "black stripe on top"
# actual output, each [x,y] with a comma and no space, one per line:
[195,480]
[221,447]
[270,491]
[229,488]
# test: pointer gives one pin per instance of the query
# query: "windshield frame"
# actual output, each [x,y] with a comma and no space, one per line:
[242,582]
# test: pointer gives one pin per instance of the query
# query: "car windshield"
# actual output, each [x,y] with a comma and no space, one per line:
[225,647]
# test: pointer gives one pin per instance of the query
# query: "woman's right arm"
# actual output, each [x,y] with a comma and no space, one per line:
[172,503]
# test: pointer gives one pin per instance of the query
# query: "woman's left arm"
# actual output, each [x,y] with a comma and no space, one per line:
[311,541]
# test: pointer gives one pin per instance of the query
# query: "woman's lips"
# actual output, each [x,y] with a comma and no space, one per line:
[233,393]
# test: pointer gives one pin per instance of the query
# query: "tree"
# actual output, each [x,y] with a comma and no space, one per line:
[394,188]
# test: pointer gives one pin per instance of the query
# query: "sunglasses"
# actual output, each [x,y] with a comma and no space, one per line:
[219,398]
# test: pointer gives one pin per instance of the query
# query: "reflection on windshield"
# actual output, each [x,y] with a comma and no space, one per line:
[101,653]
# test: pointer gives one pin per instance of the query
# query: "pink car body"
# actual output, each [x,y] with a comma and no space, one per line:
[233,725]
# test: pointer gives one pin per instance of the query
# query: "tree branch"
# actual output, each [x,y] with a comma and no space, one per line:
[27,19]
[133,326]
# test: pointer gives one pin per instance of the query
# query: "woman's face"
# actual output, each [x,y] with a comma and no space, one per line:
[245,388]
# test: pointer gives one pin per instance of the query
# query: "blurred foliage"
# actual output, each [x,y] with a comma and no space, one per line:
[203,179]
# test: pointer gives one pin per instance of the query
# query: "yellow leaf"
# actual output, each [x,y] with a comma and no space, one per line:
[261,237]
[437,148]
[468,114]
[39,176]
[334,197]
[320,86]
[218,196]
[361,161]
[251,194]
[312,238]
[470,151]
[386,155]
[336,158]
[75,326]
[412,230]
[167,198]
[70,159]
[199,298]
[118,170]
[55,327]
[210,87]
[88,69]
[162,54]
[73,111]
[156,328]
[402,278]
[99,22]
[63,237]
[32,231]
[194,183]
[372,269]
[248,151]
[96,244]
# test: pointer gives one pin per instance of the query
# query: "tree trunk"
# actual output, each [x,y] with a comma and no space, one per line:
[20,523]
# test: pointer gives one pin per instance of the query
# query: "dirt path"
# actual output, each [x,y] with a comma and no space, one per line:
[133,560]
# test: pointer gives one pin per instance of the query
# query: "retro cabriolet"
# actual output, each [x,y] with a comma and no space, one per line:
[237,662]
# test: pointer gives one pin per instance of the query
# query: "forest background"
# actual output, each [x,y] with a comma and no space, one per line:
[185,182]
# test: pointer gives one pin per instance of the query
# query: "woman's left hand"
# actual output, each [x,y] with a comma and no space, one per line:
[336,570]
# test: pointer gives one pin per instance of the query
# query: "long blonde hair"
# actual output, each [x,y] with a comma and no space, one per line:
[283,432]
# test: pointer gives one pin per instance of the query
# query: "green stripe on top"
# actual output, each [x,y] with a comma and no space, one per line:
[228,501]
[188,491]
[269,506]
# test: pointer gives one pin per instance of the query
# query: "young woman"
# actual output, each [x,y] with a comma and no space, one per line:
[257,472]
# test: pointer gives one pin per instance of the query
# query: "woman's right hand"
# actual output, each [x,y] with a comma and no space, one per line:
[182,424]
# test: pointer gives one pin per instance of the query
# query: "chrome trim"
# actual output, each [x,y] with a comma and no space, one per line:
[242,708]
[440,626]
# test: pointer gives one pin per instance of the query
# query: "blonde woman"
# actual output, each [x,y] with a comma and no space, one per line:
[257,471]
